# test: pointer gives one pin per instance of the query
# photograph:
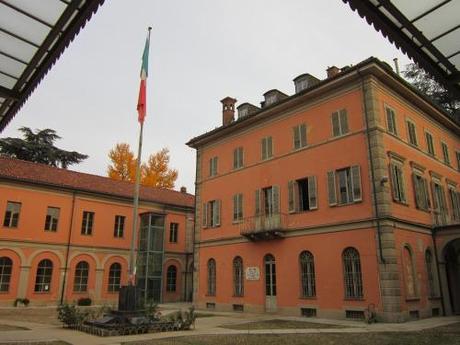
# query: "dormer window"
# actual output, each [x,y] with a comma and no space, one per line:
[273,96]
[304,81]
[270,99]
[246,109]
[242,112]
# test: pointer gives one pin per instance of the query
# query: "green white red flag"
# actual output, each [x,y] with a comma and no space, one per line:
[142,101]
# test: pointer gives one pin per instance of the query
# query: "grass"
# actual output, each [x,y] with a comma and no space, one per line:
[278,324]
[4,327]
[446,335]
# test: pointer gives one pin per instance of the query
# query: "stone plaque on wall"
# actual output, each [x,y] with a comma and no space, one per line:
[252,273]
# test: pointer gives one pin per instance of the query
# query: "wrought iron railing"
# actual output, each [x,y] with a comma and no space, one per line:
[258,227]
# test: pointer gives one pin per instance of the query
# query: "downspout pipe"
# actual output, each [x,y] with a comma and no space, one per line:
[371,159]
[69,238]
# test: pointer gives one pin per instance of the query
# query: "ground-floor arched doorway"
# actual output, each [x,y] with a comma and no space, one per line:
[452,267]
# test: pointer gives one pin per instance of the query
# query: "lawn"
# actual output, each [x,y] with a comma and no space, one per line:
[446,335]
[279,324]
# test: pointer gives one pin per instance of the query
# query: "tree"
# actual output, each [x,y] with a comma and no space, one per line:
[154,173]
[123,163]
[422,81]
[39,147]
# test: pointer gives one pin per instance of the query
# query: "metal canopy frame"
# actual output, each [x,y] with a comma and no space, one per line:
[390,19]
[72,17]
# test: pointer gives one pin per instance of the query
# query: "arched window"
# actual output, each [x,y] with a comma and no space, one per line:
[114,277]
[43,276]
[212,277]
[6,266]
[430,270]
[171,277]
[238,277]
[307,274]
[352,273]
[409,273]
[80,282]
[270,275]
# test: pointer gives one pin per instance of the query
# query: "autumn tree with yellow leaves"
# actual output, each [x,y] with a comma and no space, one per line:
[154,173]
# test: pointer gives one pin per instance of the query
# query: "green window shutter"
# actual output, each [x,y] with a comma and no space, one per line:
[443,201]
[331,188]
[390,122]
[258,200]
[434,196]
[269,147]
[235,158]
[394,182]
[276,199]
[291,203]
[205,215]
[217,213]
[343,121]
[296,135]
[426,194]
[401,185]
[356,182]
[312,194]
[303,135]
[240,206]
[235,207]
[264,148]
[335,124]
[240,158]
[417,191]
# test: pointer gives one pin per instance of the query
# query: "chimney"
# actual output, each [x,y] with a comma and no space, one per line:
[228,110]
[183,189]
[332,71]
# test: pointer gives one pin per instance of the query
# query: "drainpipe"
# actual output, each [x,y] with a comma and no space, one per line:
[433,234]
[371,159]
[68,249]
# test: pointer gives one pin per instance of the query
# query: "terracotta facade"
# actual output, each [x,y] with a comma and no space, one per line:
[313,176]
[102,254]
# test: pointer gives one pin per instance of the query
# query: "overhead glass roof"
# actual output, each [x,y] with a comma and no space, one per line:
[427,30]
[33,34]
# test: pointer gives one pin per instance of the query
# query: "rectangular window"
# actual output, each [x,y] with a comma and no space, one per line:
[237,207]
[12,214]
[422,199]
[173,232]
[412,133]
[300,136]
[238,158]
[211,214]
[267,201]
[213,166]
[429,143]
[339,123]
[267,148]
[52,218]
[391,121]
[119,226]
[302,194]
[87,223]
[344,185]
[445,153]
[397,182]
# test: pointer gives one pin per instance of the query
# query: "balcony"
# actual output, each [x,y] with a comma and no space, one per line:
[264,227]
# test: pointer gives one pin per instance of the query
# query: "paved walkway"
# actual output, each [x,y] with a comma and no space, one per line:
[210,325]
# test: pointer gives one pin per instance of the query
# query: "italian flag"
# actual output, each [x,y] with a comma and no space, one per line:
[142,101]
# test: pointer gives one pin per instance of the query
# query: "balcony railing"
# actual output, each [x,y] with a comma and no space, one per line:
[264,227]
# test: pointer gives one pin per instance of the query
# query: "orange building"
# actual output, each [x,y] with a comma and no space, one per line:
[66,235]
[339,199]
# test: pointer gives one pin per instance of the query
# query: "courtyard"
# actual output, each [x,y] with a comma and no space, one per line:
[36,325]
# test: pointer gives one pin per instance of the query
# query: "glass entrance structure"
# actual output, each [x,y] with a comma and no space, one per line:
[150,256]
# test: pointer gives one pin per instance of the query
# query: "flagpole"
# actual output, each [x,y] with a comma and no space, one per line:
[132,260]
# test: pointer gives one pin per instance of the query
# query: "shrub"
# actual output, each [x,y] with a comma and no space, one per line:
[84,301]
[23,301]
[69,315]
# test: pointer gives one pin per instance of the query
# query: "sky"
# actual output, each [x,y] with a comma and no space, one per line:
[200,52]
